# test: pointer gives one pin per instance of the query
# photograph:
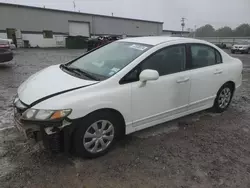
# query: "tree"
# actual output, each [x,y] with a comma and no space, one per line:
[205,31]
[242,31]
[224,32]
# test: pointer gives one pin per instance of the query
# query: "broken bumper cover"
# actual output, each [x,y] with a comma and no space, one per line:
[55,135]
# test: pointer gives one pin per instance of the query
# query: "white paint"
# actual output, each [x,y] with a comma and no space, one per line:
[141,106]
[159,97]
[66,82]
[38,40]
[79,29]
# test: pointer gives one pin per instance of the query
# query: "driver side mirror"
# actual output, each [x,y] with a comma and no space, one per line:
[148,75]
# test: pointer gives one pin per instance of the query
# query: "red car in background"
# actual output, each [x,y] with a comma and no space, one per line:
[5,52]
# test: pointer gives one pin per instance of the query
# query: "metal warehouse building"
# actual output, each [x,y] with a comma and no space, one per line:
[48,27]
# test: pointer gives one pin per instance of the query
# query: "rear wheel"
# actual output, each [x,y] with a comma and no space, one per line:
[96,134]
[223,99]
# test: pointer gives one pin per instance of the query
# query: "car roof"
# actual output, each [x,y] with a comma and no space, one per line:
[160,39]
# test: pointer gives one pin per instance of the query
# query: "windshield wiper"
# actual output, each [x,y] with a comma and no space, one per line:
[80,72]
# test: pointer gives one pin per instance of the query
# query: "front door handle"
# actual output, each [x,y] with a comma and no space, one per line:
[218,71]
[182,80]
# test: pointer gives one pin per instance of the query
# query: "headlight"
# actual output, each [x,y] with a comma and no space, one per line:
[34,114]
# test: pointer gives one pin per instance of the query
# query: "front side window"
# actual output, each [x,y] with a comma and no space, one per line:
[167,61]
[203,56]
[108,60]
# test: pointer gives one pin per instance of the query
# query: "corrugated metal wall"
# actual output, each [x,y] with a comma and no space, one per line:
[37,20]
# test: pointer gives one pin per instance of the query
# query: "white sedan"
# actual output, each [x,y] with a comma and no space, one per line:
[123,87]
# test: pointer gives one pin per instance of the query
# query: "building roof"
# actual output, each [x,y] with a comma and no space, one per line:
[67,11]
[161,39]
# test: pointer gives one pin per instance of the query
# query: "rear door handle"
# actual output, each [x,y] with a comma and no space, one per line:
[218,72]
[182,80]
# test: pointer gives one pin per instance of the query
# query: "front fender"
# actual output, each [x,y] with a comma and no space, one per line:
[84,101]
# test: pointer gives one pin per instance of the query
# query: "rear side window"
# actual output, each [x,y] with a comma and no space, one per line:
[218,57]
[167,61]
[203,56]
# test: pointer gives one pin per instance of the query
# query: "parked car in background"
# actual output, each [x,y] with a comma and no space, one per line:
[123,87]
[4,44]
[221,45]
[5,52]
[243,47]
[5,55]
[7,43]
[12,45]
[95,42]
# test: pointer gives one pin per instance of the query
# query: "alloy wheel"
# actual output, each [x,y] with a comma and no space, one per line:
[224,97]
[98,136]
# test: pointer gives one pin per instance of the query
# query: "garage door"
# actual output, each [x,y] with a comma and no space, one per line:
[78,29]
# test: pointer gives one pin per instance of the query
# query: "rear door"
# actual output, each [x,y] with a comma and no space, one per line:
[207,73]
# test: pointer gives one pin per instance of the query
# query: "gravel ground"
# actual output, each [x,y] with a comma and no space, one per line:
[200,150]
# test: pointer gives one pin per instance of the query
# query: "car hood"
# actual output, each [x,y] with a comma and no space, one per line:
[49,81]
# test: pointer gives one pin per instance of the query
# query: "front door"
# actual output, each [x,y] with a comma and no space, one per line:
[160,100]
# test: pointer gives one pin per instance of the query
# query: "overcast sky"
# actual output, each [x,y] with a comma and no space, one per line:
[198,12]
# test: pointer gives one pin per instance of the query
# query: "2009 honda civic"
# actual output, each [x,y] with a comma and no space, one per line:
[123,87]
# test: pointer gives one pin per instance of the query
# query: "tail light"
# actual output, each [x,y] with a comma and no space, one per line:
[4,45]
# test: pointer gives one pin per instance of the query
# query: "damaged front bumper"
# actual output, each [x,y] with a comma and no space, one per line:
[54,135]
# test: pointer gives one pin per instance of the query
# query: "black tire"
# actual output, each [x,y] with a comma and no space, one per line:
[85,123]
[217,108]
[232,51]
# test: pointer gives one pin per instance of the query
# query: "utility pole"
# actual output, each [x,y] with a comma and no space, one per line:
[183,23]
[74,5]
[195,31]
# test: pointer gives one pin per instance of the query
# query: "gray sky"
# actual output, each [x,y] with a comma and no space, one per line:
[198,12]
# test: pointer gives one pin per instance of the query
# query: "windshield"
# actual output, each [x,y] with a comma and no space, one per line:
[108,60]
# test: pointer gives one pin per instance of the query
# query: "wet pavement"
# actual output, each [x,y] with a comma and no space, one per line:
[200,150]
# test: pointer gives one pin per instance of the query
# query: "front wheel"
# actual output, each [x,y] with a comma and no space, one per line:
[223,99]
[96,134]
